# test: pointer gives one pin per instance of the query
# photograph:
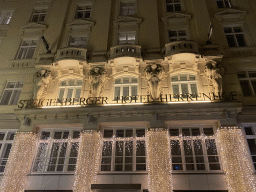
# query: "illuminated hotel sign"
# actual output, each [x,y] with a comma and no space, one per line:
[126,99]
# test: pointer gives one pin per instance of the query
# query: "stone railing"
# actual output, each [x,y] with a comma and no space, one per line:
[71,53]
[180,47]
[124,50]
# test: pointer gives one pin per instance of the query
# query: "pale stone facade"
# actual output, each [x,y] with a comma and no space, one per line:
[118,72]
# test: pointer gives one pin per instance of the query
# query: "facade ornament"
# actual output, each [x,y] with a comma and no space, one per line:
[97,77]
[44,83]
[212,72]
[154,74]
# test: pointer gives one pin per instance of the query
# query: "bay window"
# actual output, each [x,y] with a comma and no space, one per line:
[125,86]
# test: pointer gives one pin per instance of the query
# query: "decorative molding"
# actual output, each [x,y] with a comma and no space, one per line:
[176,19]
[33,29]
[127,20]
[230,15]
[80,24]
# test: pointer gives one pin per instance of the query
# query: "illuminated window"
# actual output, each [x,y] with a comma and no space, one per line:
[178,35]
[184,84]
[250,132]
[125,86]
[235,36]
[27,49]
[173,5]
[57,151]
[69,89]
[126,38]
[6,140]
[189,152]
[128,7]
[248,82]
[38,15]
[5,17]
[123,150]
[11,93]
[77,41]
[223,3]
[83,11]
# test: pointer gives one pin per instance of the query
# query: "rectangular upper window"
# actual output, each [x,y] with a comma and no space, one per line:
[38,15]
[177,35]
[11,93]
[247,81]
[27,49]
[83,11]
[250,132]
[78,41]
[173,5]
[223,3]
[5,17]
[126,38]
[128,7]
[235,36]
[57,151]
[125,86]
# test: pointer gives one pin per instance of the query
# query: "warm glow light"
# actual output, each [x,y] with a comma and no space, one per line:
[19,162]
[176,102]
[236,160]
[114,104]
[87,161]
[159,161]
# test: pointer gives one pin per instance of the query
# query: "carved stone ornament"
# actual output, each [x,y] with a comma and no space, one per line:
[44,83]
[212,72]
[97,77]
[154,74]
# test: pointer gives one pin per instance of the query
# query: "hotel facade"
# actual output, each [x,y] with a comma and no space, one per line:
[127,95]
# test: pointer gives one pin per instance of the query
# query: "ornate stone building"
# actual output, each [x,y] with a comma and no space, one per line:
[127,95]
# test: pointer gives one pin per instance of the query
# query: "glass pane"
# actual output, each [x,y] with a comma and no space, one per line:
[187,147]
[245,87]
[22,53]
[70,92]
[117,92]
[122,37]
[119,148]
[211,147]
[15,97]
[175,78]
[120,133]
[198,147]
[174,132]
[185,132]
[125,91]
[172,33]
[134,80]
[126,80]
[134,90]
[131,36]
[190,167]
[10,85]
[195,132]
[129,133]
[240,40]
[252,73]
[182,33]
[129,148]
[78,93]
[228,30]
[208,131]
[76,134]
[79,82]
[175,89]
[45,135]
[231,40]
[6,97]
[71,82]
[65,135]
[214,166]
[107,148]
[140,148]
[192,77]
[184,88]
[63,83]
[248,131]
[177,167]
[140,132]
[183,77]
[2,134]
[241,74]
[108,133]
[254,86]
[118,81]
[175,147]
[30,52]
[252,146]
[6,151]
[10,136]
[193,88]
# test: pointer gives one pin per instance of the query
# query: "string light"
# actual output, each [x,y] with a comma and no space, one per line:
[236,160]
[19,162]
[87,161]
[159,161]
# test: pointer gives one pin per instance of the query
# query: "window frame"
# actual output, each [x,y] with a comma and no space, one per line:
[249,79]
[84,10]
[3,148]
[39,14]
[67,87]
[201,138]
[178,37]
[16,83]
[79,45]
[225,3]
[128,1]
[115,139]
[25,53]
[50,141]
[5,17]
[233,33]
[122,85]
[126,42]
[173,6]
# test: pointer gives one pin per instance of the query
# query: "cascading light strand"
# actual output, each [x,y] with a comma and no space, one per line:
[19,162]
[87,161]
[159,161]
[236,160]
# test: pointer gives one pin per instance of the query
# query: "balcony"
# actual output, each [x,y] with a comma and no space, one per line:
[177,47]
[71,53]
[124,51]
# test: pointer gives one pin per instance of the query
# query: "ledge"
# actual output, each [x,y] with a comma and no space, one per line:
[71,53]
[125,50]
[177,47]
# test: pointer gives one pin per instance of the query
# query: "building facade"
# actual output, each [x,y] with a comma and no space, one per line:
[127,95]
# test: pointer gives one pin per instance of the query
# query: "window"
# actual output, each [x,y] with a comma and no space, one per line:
[57,151]
[235,36]
[250,132]
[178,35]
[223,3]
[70,88]
[125,86]
[127,7]
[194,149]
[83,11]
[6,140]
[126,38]
[184,84]
[11,93]
[5,17]
[38,15]
[78,41]
[27,49]
[123,150]
[173,5]
[248,82]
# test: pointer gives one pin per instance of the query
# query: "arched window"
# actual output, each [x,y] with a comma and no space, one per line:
[70,88]
[184,84]
[125,86]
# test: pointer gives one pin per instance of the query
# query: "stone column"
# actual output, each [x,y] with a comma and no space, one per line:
[159,160]
[88,161]
[19,162]
[236,160]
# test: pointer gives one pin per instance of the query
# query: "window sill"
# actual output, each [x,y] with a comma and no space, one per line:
[123,173]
